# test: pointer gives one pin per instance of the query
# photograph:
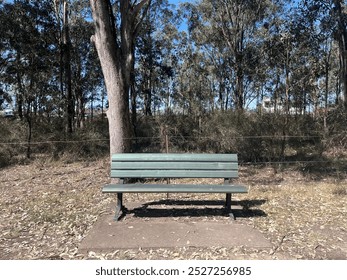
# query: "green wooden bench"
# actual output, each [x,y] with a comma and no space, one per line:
[155,166]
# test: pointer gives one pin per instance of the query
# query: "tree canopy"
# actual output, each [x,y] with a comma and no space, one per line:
[192,59]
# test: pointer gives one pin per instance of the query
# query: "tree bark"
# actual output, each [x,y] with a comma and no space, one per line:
[67,69]
[342,38]
[106,45]
[116,53]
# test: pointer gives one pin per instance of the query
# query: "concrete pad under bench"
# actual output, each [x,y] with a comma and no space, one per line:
[108,236]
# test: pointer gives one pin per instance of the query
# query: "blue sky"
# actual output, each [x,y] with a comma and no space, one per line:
[177,2]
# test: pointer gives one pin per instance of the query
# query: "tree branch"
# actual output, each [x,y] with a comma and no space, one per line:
[138,24]
[112,21]
[137,8]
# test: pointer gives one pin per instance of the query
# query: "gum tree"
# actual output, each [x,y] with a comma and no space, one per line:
[117,24]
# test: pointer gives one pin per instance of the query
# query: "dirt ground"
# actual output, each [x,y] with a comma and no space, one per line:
[47,208]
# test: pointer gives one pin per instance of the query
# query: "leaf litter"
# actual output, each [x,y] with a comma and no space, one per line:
[48,208]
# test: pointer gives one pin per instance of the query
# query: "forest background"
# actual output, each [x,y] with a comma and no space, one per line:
[264,79]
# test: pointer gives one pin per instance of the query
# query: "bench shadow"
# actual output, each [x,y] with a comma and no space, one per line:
[145,210]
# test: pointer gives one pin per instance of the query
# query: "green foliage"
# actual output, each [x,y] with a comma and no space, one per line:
[50,141]
[337,120]
[11,142]
[255,137]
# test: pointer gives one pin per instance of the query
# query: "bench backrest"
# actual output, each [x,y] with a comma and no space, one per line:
[147,165]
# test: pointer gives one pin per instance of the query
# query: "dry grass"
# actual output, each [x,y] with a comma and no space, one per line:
[48,208]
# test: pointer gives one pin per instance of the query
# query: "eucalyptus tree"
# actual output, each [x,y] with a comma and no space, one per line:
[340,13]
[62,11]
[330,17]
[291,59]
[230,27]
[27,43]
[4,93]
[193,80]
[157,60]
[27,49]
[86,83]
[117,24]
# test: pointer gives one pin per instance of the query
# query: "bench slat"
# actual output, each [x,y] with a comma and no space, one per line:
[175,157]
[174,165]
[174,173]
[171,188]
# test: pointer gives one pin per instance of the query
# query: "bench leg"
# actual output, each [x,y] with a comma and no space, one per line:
[228,206]
[119,206]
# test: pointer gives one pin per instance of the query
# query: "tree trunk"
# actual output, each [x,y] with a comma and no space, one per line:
[30,126]
[326,93]
[342,38]
[134,110]
[106,45]
[117,62]
[67,70]
[239,89]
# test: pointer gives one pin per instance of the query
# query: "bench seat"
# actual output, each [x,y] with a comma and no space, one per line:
[172,188]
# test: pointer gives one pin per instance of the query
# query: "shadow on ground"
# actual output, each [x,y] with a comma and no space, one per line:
[202,208]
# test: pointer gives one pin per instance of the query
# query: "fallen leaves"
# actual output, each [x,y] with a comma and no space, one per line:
[46,211]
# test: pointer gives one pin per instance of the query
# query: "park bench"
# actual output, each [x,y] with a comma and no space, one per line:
[160,166]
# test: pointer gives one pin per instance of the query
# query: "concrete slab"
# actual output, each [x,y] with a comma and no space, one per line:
[108,236]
